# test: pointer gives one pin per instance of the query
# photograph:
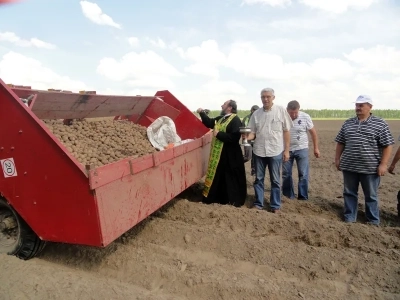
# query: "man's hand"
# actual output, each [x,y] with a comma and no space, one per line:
[286,156]
[316,153]
[391,169]
[215,132]
[382,168]
[337,164]
[199,110]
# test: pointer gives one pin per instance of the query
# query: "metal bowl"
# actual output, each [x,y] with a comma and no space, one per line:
[245,130]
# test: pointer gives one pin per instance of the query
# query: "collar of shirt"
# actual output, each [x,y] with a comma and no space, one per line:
[367,120]
[267,110]
[226,116]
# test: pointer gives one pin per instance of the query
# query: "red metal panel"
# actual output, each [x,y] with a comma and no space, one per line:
[145,121]
[162,156]
[115,171]
[61,105]
[187,147]
[125,202]
[50,191]
[188,126]
[207,138]
[160,108]
[108,173]
[142,163]
[32,102]
[179,150]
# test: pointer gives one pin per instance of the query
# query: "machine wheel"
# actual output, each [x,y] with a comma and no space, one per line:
[16,237]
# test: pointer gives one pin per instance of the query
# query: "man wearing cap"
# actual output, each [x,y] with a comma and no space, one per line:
[302,124]
[364,145]
[248,151]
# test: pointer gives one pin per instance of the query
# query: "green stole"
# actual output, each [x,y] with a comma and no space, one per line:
[216,149]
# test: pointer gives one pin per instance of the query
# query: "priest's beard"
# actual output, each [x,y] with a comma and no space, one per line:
[222,113]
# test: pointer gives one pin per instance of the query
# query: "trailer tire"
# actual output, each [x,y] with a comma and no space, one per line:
[24,244]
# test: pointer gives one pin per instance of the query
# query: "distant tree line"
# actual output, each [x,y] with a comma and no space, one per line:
[328,113]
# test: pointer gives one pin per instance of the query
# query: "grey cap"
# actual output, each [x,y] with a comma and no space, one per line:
[254,107]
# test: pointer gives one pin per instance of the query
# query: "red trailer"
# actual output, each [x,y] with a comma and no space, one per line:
[47,195]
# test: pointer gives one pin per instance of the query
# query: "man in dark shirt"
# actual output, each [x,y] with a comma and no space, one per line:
[364,145]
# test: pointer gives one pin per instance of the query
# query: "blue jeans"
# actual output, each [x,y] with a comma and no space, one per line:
[253,168]
[370,184]
[274,164]
[301,158]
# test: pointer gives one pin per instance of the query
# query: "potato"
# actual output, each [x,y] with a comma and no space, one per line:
[101,142]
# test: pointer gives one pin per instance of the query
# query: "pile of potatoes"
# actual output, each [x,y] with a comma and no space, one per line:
[101,142]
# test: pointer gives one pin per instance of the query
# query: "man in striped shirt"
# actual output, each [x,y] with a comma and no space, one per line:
[302,124]
[364,145]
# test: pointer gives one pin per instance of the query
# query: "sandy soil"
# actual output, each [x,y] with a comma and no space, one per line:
[191,250]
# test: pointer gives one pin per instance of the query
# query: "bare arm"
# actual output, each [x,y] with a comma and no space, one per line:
[338,154]
[252,125]
[382,168]
[286,140]
[386,154]
[251,136]
[314,138]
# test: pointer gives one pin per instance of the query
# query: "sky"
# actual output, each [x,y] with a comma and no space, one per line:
[322,53]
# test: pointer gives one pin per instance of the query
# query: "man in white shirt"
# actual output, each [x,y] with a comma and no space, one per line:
[302,124]
[270,126]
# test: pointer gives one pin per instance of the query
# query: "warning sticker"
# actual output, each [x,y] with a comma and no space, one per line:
[8,167]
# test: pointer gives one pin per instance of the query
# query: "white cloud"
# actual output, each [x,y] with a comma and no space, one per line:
[203,69]
[144,69]
[379,59]
[325,82]
[159,43]
[224,87]
[206,58]
[208,52]
[329,69]
[11,37]
[141,92]
[248,60]
[18,69]
[299,24]
[338,6]
[133,41]
[94,13]
[212,95]
[152,81]
[273,3]
[245,58]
